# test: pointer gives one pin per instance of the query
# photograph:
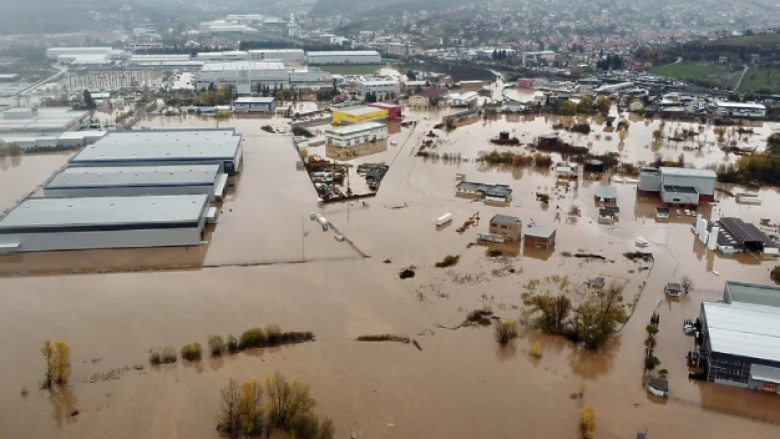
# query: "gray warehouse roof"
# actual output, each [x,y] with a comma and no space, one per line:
[688,172]
[102,211]
[135,176]
[162,145]
[758,294]
[746,330]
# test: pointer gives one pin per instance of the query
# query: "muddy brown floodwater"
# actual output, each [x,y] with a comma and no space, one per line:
[460,385]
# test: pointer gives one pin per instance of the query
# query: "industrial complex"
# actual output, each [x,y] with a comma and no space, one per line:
[739,343]
[678,186]
[245,76]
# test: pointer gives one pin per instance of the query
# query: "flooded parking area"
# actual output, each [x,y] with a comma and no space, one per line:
[267,262]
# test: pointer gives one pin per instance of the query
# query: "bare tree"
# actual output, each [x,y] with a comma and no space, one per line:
[230,412]
[686,283]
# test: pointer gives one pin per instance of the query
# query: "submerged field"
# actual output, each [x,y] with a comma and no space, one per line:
[267,263]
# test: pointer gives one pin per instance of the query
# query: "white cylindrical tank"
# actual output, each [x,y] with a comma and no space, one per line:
[704,237]
[698,224]
[712,243]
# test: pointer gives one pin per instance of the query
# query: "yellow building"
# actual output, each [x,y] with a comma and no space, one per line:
[353,115]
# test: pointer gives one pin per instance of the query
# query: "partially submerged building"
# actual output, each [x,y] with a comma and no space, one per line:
[165,147]
[357,134]
[80,182]
[500,193]
[678,186]
[540,236]
[509,227]
[740,337]
[353,115]
[738,109]
[51,224]
[606,194]
[733,235]
[254,105]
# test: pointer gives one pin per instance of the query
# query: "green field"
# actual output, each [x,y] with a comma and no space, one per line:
[352,70]
[761,80]
[718,75]
[755,39]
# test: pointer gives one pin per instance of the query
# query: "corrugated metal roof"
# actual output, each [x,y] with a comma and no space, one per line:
[767,374]
[747,330]
[606,192]
[96,211]
[88,177]
[688,172]
[758,294]
[161,145]
[743,231]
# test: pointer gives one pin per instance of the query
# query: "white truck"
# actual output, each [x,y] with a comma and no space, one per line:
[444,219]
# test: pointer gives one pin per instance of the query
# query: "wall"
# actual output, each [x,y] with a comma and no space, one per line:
[129,191]
[31,242]
[681,198]
[649,183]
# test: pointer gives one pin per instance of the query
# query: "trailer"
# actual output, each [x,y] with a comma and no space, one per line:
[444,219]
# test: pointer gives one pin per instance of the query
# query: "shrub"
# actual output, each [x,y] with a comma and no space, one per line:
[57,358]
[267,128]
[297,337]
[155,357]
[582,388]
[166,355]
[192,352]
[493,252]
[651,363]
[505,331]
[775,274]
[482,317]
[582,128]
[587,421]
[216,345]
[273,335]
[448,261]
[386,337]
[300,131]
[252,338]
[536,350]
[232,344]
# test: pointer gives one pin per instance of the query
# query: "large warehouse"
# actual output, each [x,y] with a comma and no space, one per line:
[343,57]
[121,181]
[165,147]
[56,52]
[51,224]
[245,76]
[740,337]
[283,55]
[356,134]
[678,186]
[40,121]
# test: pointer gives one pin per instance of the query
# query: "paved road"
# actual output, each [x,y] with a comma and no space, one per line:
[736,87]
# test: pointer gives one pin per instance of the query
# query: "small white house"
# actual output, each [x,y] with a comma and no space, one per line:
[465,99]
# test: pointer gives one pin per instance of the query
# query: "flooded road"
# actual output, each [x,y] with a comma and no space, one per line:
[461,385]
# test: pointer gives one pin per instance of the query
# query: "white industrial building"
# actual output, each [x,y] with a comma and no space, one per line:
[284,55]
[379,87]
[359,133]
[233,55]
[344,57]
[56,52]
[142,59]
[738,109]
[66,140]
[530,58]
[245,76]
[51,224]
[464,99]
[165,147]
[222,26]
[678,186]
[123,181]
[49,121]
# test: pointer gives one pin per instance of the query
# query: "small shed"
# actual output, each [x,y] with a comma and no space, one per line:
[540,236]
[606,194]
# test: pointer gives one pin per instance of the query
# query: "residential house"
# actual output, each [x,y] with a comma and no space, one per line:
[425,98]
[509,227]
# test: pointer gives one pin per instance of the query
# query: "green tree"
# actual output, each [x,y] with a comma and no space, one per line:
[553,310]
[603,104]
[651,363]
[585,105]
[567,108]
[286,401]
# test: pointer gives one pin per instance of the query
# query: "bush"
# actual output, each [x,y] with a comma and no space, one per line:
[252,338]
[448,261]
[482,317]
[166,355]
[587,422]
[216,345]
[505,331]
[536,350]
[300,131]
[493,252]
[192,352]
[582,128]
[232,344]
[273,335]
[775,274]
[268,129]
[651,363]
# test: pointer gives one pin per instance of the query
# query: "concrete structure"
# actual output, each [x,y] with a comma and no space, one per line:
[464,99]
[500,193]
[354,115]
[509,227]
[738,109]
[540,236]
[283,55]
[31,121]
[678,186]
[56,52]
[125,181]
[344,57]
[380,88]
[534,58]
[254,105]
[394,111]
[356,134]
[165,147]
[740,337]
[51,224]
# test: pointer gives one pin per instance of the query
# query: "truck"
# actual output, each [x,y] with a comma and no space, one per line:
[444,219]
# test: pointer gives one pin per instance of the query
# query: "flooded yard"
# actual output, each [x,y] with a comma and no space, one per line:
[461,383]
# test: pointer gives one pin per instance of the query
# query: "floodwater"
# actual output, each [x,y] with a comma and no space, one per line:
[461,385]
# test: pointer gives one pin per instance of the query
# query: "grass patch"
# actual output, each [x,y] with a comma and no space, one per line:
[761,79]
[448,261]
[689,70]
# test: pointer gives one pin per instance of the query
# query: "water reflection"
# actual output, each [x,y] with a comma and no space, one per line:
[64,405]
